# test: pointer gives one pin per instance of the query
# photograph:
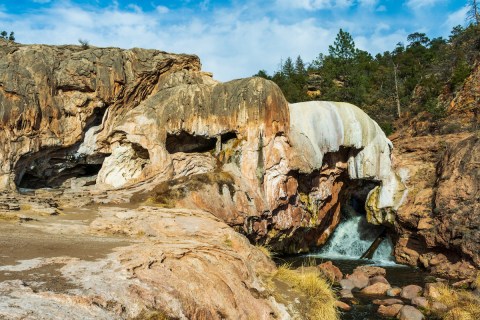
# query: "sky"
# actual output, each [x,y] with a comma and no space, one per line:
[233,38]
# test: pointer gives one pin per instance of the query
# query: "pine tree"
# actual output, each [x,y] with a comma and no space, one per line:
[343,47]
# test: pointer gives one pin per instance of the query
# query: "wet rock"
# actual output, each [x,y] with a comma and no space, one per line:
[359,279]
[331,272]
[409,313]
[347,284]
[376,279]
[346,294]
[378,288]
[411,291]
[387,302]
[421,302]
[389,311]
[342,306]
[393,292]
[371,271]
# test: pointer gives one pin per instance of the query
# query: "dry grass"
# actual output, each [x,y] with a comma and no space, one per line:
[476,283]
[319,299]
[152,315]
[8,217]
[461,304]
[265,250]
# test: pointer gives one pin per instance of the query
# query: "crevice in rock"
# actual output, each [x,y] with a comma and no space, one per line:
[189,143]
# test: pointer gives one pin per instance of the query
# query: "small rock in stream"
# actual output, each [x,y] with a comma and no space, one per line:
[376,279]
[359,279]
[409,313]
[346,294]
[394,291]
[411,291]
[347,284]
[421,302]
[342,305]
[387,302]
[378,288]
[390,311]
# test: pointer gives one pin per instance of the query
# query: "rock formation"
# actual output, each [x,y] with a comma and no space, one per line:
[439,220]
[116,118]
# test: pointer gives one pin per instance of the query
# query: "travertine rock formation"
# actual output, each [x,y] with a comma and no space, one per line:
[77,117]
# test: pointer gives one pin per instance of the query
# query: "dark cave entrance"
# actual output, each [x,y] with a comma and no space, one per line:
[53,168]
[190,143]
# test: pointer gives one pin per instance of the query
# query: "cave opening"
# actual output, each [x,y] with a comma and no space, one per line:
[189,143]
[57,168]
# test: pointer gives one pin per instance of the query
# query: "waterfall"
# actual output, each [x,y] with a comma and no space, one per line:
[353,237]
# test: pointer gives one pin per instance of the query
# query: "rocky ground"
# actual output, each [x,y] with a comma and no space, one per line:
[123,262]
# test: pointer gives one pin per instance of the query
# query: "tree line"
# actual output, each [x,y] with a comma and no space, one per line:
[4,35]
[419,76]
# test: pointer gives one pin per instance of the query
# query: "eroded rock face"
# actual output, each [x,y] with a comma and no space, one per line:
[154,124]
[438,223]
[50,96]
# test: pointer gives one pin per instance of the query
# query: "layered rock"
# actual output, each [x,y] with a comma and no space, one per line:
[439,221]
[154,124]
[50,96]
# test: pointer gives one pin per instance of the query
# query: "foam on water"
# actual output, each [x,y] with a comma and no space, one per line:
[352,238]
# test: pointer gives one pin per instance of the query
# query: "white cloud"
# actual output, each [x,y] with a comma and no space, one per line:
[422,4]
[456,18]
[162,9]
[315,4]
[231,42]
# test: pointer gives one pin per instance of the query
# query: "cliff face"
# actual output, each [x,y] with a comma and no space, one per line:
[154,125]
[50,96]
[438,223]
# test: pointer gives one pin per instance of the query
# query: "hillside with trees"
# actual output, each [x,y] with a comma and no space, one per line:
[418,78]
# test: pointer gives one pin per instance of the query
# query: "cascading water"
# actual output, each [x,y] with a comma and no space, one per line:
[353,237]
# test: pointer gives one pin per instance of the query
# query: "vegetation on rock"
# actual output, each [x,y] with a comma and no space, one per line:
[316,296]
[4,35]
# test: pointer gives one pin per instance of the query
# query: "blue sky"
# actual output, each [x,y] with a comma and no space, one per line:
[233,38]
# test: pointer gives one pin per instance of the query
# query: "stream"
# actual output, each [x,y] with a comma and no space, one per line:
[351,239]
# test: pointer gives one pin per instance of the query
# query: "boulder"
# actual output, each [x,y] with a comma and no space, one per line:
[359,279]
[347,284]
[387,302]
[331,272]
[409,313]
[394,291]
[411,291]
[371,271]
[346,294]
[376,279]
[389,311]
[421,302]
[378,288]
[342,306]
